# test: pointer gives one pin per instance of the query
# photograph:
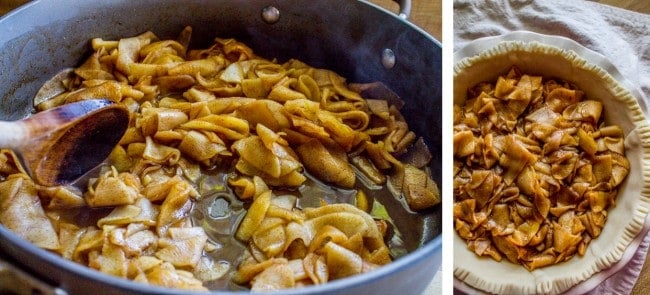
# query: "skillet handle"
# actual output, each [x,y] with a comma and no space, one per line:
[16,281]
[404,8]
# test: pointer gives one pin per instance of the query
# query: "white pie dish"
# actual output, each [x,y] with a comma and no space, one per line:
[483,60]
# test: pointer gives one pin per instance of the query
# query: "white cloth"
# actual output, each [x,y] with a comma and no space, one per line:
[620,35]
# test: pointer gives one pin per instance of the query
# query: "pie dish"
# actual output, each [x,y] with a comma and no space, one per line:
[549,56]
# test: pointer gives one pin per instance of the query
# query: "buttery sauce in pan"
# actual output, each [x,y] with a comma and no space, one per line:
[220,212]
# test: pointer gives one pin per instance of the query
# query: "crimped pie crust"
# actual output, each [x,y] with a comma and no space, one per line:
[625,220]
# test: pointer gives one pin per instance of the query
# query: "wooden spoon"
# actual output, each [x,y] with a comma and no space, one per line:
[59,145]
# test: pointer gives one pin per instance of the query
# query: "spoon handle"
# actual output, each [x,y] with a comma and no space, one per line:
[45,125]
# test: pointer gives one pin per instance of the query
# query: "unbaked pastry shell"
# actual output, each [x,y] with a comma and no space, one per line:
[625,220]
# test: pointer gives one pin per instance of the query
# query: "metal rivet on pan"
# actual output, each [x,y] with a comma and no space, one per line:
[270,15]
[388,58]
